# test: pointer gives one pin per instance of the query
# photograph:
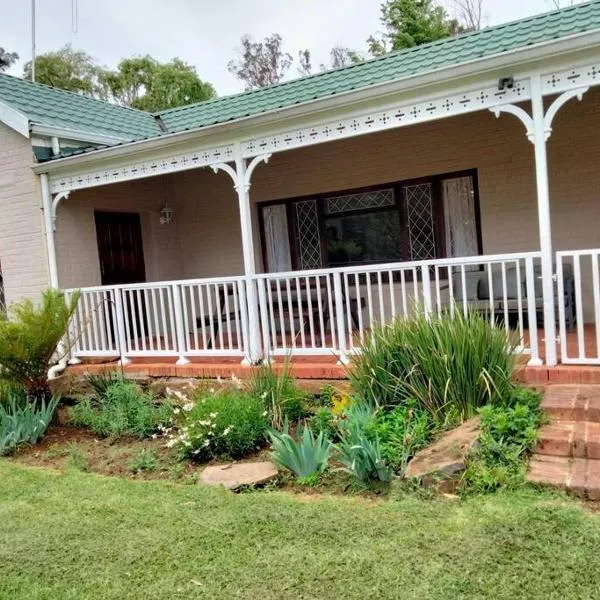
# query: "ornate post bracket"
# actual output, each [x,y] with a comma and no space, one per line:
[552,111]
[55,202]
[241,180]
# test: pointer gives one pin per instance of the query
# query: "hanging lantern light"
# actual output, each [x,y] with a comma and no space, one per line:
[166,214]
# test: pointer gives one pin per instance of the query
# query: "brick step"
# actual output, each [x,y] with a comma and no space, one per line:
[580,476]
[572,403]
[575,439]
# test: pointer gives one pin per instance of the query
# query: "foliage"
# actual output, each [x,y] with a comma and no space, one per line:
[359,451]
[508,433]
[260,64]
[401,432]
[67,69]
[122,409]
[144,460]
[229,423]
[282,397]
[100,382]
[29,337]
[324,421]
[450,364]
[409,23]
[144,83]
[139,82]
[7,58]
[306,457]
[24,423]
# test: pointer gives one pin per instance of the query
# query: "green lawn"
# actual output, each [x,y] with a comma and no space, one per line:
[82,536]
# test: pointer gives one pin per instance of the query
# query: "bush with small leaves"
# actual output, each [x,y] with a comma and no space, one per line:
[123,409]
[229,423]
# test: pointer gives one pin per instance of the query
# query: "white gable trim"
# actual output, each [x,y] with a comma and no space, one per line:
[14,119]
[74,134]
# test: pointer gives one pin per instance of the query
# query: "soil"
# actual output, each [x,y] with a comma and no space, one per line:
[65,447]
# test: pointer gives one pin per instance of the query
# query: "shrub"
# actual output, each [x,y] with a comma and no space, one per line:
[359,451]
[401,432]
[306,457]
[324,421]
[229,424]
[508,433]
[29,336]
[24,423]
[100,382]
[279,392]
[144,460]
[122,409]
[446,363]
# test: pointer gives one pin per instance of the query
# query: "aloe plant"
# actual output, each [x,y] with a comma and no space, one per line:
[305,457]
[24,423]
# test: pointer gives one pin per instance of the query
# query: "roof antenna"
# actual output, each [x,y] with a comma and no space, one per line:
[32,40]
[74,16]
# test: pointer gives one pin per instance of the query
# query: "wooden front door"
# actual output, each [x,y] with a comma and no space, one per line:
[120,248]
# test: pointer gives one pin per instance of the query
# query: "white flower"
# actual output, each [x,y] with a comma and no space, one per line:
[171,443]
[227,430]
[213,415]
[264,395]
[188,407]
[154,436]
[265,414]
[176,411]
[206,443]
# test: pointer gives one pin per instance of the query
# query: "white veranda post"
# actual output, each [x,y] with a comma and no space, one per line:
[539,128]
[241,176]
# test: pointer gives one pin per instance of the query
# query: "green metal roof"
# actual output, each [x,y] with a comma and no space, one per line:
[45,105]
[49,106]
[393,66]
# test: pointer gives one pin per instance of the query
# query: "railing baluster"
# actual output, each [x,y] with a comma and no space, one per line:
[339,312]
[532,312]
[579,307]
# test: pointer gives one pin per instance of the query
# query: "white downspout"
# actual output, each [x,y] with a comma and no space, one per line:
[59,368]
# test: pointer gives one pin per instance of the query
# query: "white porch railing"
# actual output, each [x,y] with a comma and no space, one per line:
[326,311]
[578,294]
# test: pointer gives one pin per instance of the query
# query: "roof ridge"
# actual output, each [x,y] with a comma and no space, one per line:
[388,56]
[71,93]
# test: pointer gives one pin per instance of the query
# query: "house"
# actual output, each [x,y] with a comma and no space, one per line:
[291,219]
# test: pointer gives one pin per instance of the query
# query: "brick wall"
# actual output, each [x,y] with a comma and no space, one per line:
[22,245]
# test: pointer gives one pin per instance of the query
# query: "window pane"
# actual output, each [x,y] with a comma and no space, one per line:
[276,238]
[421,230]
[309,238]
[360,201]
[459,214]
[363,239]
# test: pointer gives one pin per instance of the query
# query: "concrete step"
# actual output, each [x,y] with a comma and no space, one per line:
[581,476]
[574,439]
[572,403]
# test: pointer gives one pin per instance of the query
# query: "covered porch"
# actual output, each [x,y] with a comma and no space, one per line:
[332,238]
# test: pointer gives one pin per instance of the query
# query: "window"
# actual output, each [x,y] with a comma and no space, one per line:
[424,219]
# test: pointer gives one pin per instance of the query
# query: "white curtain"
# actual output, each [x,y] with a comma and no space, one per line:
[459,211]
[277,239]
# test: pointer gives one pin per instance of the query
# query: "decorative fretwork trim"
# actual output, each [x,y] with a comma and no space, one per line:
[139,170]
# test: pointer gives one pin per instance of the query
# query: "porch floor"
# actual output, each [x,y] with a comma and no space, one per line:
[327,367]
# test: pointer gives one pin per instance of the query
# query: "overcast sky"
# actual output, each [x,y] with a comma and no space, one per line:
[206,33]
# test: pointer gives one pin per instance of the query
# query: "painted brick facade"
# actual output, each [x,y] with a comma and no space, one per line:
[22,246]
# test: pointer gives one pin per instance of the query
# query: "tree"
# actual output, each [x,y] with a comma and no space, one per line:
[409,23]
[342,57]
[67,69]
[140,82]
[144,83]
[7,58]
[304,63]
[260,63]
[470,13]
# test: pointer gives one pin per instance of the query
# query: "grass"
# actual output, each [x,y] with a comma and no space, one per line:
[81,536]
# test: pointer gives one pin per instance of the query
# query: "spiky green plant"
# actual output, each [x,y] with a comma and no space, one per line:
[359,449]
[29,337]
[282,397]
[306,456]
[447,363]
[24,423]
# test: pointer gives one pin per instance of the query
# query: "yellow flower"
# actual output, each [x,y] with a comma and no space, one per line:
[341,404]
